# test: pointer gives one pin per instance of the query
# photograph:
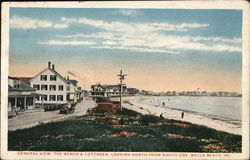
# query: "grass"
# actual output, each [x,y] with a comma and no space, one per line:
[129,132]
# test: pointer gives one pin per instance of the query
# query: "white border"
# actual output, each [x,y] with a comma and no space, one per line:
[242,5]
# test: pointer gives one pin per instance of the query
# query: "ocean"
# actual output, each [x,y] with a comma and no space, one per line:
[220,107]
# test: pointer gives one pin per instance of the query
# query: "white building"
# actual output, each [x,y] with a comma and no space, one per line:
[21,96]
[99,90]
[75,92]
[54,88]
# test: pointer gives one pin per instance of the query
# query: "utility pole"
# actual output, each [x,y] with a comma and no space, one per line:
[121,77]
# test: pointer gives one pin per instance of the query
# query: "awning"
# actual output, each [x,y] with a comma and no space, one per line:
[24,95]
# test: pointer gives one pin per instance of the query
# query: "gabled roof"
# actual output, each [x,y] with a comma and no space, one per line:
[108,86]
[13,78]
[53,71]
[74,82]
[25,80]
[22,87]
[61,77]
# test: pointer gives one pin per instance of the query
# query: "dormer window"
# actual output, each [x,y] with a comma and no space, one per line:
[52,77]
[16,83]
[43,78]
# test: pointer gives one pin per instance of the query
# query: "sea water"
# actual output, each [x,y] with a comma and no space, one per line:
[222,107]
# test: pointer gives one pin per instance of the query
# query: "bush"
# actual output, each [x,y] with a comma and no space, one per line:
[86,133]
[146,119]
[101,99]
[128,112]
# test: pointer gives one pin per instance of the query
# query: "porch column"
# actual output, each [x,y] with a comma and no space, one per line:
[42,101]
[33,102]
[24,104]
[15,102]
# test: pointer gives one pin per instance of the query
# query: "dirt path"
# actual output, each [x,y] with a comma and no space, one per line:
[31,119]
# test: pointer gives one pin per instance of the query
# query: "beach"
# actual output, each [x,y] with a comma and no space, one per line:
[148,105]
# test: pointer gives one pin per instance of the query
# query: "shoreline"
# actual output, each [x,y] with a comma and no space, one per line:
[137,103]
[214,117]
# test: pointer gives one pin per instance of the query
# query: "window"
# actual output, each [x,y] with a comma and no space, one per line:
[52,98]
[68,88]
[37,98]
[44,98]
[52,87]
[44,87]
[52,77]
[36,86]
[43,78]
[60,88]
[16,83]
[59,97]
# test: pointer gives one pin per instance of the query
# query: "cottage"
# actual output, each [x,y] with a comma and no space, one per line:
[132,91]
[75,93]
[21,96]
[99,90]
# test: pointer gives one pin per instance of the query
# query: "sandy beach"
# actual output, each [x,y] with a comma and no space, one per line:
[144,105]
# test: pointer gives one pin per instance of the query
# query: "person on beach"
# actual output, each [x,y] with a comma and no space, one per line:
[161,115]
[182,115]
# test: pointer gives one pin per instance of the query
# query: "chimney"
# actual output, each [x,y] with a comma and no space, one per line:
[67,77]
[49,63]
[53,66]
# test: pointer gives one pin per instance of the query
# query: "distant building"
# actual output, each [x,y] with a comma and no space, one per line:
[54,88]
[21,96]
[75,92]
[132,91]
[99,90]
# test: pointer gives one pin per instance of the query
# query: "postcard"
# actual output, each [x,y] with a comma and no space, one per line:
[125,80]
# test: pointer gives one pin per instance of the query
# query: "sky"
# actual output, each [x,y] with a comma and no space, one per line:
[159,49]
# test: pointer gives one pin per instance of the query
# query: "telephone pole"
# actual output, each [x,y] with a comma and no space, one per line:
[121,77]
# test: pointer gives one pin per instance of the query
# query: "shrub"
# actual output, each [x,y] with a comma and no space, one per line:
[146,119]
[128,112]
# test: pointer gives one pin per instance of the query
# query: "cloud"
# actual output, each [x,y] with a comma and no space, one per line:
[68,20]
[217,39]
[182,43]
[157,41]
[127,12]
[170,27]
[118,26]
[62,25]
[140,37]
[109,43]
[55,42]
[136,49]
[28,23]
[33,23]
[99,35]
